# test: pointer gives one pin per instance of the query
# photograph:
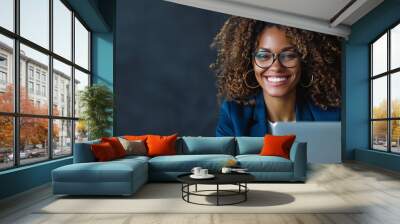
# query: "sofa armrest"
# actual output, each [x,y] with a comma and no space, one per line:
[298,155]
[83,152]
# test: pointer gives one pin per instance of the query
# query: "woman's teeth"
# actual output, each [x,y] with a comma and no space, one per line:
[277,79]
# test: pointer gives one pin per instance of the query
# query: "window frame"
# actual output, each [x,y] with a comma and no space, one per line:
[16,115]
[388,74]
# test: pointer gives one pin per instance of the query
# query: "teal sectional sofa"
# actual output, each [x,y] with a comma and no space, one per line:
[125,176]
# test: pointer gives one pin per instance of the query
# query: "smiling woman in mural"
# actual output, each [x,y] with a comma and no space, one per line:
[268,73]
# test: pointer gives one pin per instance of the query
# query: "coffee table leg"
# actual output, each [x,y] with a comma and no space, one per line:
[196,188]
[245,193]
[217,194]
[188,189]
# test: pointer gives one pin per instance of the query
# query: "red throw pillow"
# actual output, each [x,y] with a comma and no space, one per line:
[161,145]
[135,137]
[277,145]
[103,151]
[116,145]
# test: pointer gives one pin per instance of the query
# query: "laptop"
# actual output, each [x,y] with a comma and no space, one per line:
[323,139]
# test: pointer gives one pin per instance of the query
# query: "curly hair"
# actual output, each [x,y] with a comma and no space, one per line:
[238,39]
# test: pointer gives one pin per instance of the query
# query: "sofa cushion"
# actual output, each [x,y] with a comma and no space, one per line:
[161,145]
[257,163]
[111,171]
[103,152]
[185,163]
[249,145]
[275,145]
[208,145]
[116,145]
[134,147]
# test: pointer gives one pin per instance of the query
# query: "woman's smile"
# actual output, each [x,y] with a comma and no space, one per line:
[273,79]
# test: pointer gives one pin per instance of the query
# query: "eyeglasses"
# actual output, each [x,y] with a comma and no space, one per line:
[264,59]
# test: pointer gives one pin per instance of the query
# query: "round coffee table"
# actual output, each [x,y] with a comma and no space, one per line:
[238,179]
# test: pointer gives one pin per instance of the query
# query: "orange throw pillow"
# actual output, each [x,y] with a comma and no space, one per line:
[103,151]
[277,145]
[161,145]
[116,145]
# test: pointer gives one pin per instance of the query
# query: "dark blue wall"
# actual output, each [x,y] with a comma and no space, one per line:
[163,83]
[356,92]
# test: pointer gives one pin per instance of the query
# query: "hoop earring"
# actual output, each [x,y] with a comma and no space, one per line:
[309,84]
[245,81]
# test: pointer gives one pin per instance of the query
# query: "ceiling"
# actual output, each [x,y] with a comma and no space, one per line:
[326,16]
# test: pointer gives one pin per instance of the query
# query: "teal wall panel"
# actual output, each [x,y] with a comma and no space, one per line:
[380,159]
[24,178]
[102,58]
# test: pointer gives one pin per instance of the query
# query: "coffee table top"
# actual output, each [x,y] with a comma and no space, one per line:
[220,178]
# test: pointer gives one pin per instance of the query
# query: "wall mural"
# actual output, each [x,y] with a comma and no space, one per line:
[270,73]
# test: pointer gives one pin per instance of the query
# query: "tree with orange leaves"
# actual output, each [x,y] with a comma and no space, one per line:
[33,130]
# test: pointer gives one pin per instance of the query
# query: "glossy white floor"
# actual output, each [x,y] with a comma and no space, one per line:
[377,188]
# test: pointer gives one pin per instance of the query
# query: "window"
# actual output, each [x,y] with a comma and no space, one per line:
[7,14]
[81,81]
[47,73]
[44,91]
[62,74]
[55,95]
[3,61]
[3,73]
[6,73]
[81,45]
[3,78]
[34,21]
[6,142]
[38,89]
[30,87]
[38,73]
[43,77]
[30,72]
[384,91]
[62,29]
[62,137]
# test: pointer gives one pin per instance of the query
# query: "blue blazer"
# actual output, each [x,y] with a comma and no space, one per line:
[251,120]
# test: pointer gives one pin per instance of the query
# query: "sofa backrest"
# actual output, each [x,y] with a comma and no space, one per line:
[192,146]
[83,152]
[206,145]
[249,145]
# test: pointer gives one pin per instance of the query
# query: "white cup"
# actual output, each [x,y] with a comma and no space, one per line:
[196,171]
[226,170]
[203,172]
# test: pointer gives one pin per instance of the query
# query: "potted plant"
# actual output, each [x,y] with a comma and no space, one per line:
[96,102]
